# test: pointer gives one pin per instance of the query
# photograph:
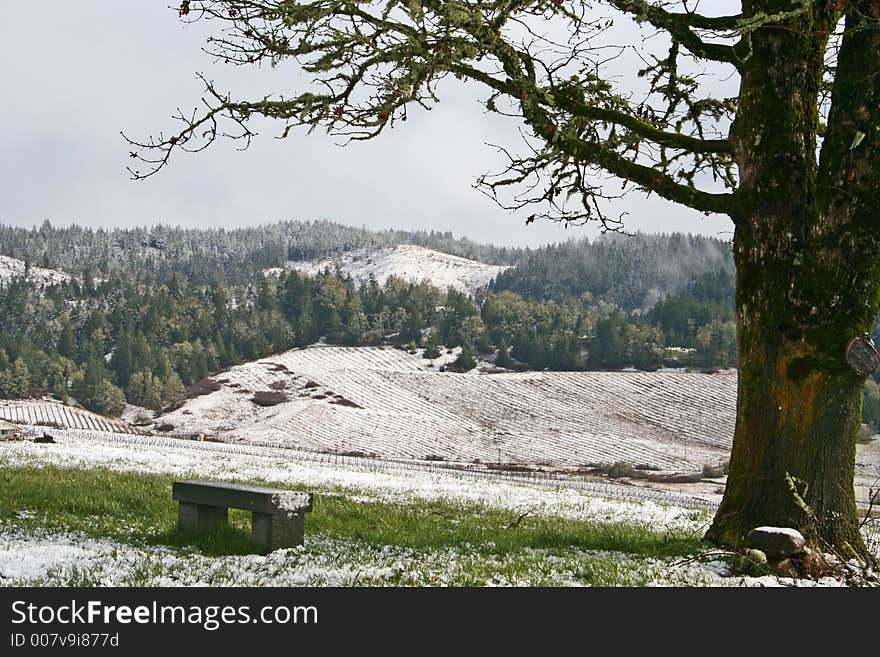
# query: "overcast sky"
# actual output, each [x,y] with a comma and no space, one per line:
[75,73]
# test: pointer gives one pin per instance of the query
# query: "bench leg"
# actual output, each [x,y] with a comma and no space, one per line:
[273,531]
[199,518]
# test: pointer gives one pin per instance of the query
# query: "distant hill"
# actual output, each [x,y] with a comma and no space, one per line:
[632,272]
[206,255]
[408,262]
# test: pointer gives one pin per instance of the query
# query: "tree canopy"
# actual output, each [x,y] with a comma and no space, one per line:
[545,62]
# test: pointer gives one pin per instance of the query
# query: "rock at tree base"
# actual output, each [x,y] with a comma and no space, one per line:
[786,568]
[776,542]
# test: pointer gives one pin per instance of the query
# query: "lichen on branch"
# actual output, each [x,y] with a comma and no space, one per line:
[545,62]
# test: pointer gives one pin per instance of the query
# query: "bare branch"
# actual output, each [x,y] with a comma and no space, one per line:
[372,61]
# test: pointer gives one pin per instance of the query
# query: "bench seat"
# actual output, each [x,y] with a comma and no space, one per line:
[277,515]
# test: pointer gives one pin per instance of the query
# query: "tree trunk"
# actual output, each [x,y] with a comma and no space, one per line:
[808,277]
[798,416]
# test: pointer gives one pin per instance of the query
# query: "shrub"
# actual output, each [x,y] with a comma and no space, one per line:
[269,398]
[621,469]
[202,387]
[142,419]
[465,360]
[503,359]
[433,349]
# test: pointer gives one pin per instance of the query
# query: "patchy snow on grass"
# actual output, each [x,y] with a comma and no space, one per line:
[29,556]
[70,559]
[396,486]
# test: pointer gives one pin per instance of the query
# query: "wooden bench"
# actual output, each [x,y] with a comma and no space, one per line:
[277,515]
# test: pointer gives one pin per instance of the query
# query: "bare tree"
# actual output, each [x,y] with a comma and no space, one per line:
[793,159]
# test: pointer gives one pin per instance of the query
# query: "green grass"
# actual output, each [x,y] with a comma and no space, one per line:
[137,509]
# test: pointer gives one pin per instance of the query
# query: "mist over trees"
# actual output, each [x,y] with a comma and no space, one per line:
[632,272]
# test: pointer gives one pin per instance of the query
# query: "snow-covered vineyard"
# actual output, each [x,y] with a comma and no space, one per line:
[155,453]
[388,403]
[47,414]
[378,403]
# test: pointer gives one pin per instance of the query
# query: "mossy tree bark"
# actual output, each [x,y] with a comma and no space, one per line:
[808,276]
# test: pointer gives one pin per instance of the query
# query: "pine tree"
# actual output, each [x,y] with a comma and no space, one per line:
[66,342]
[355,322]
[465,361]
[6,384]
[173,392]
[503,359]
[21,380]
[412,328]
[432,350]
[121,361]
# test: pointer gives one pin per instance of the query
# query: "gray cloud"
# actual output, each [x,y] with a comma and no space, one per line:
[95,67]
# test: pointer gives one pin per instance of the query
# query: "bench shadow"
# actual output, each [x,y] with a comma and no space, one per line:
[231,539]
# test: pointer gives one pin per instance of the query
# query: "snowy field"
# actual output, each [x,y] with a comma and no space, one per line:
[68,558]
[408,262]
[385,484]
[385,402]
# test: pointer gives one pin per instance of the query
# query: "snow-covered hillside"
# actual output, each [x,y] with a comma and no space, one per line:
[11,268]
[409,262]
[388,403]
[43,413]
